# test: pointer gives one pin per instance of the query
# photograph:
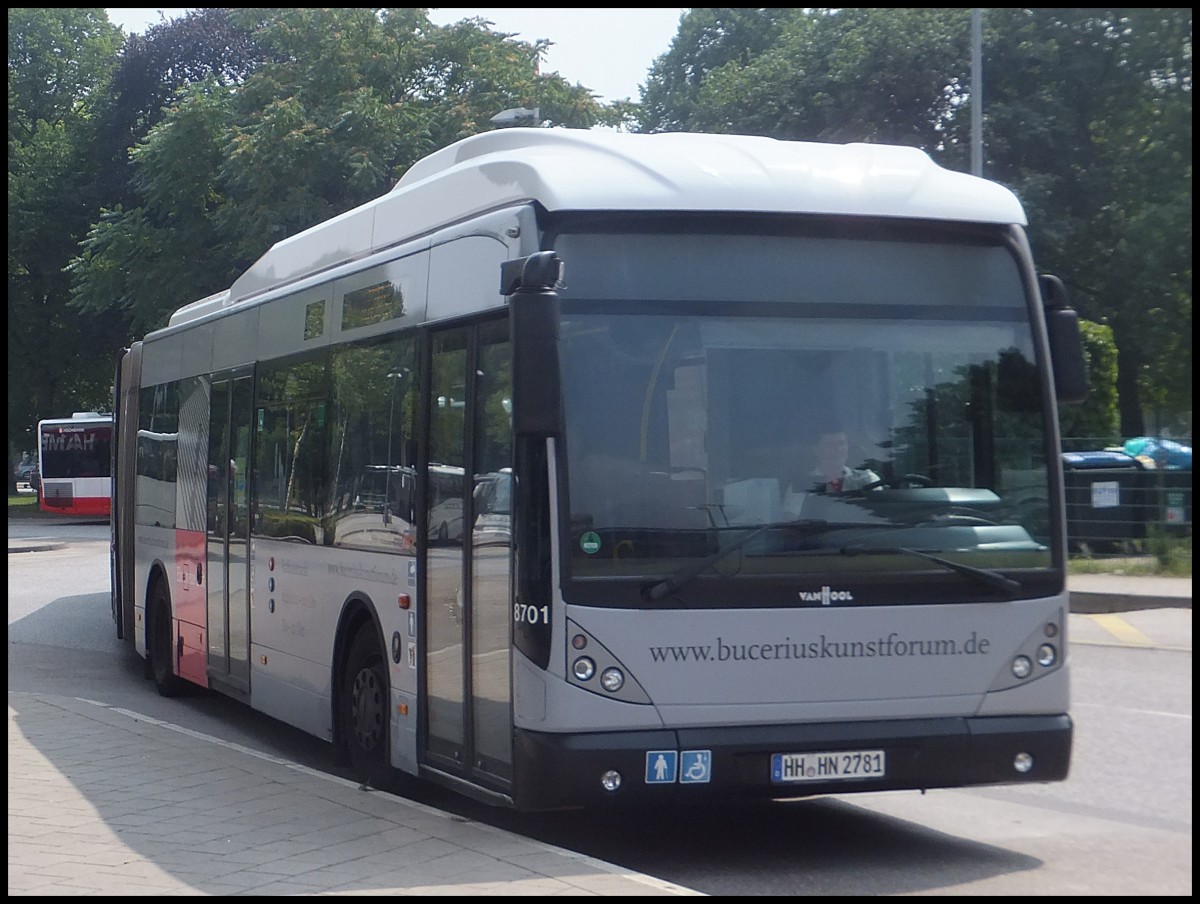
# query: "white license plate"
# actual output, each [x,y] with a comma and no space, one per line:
[820,767]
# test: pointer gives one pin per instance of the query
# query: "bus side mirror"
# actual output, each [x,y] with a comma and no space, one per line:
[1066,343]
[534,317]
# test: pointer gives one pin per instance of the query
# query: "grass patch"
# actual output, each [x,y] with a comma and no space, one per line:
[1130,565]
[1160,554]
[1173,554]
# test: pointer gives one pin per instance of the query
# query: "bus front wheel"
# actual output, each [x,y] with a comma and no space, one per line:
[364,709]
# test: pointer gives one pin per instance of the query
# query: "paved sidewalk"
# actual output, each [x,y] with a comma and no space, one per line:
[102,801]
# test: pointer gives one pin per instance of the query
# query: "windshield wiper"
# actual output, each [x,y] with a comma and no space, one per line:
[985,576]
[807,525]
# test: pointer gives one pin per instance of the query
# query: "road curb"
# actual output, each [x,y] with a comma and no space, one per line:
[1085,603]
[32,547]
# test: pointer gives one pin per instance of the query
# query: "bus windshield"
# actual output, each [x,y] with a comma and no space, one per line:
[859,410]
[76,450]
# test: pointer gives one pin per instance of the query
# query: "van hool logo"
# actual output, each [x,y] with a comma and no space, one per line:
[827,595]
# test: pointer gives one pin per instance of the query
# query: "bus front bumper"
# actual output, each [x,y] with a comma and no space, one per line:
[666,766]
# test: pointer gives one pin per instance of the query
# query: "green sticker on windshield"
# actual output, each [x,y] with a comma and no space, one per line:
[590,542]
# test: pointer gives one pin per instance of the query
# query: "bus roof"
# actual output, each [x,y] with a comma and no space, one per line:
[597,170]
[78,417]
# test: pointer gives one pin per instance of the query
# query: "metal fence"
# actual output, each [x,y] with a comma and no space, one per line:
[1120,505]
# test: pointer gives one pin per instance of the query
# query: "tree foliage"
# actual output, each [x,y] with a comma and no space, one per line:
[337,105]
[1087,117]
[707,41]
[1094,423]
[59,64]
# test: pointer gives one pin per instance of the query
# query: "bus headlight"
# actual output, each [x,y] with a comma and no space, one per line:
[1047,655]
[584,668]
[612,680]
[1022,666]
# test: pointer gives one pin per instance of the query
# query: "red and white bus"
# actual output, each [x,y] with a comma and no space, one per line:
[75,464]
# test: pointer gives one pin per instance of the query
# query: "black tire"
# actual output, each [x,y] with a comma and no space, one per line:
[364,708]
[161,643]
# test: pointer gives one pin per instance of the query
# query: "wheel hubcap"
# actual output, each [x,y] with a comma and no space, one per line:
[367,709]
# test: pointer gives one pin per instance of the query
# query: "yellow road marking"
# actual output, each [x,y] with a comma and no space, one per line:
[1122,630]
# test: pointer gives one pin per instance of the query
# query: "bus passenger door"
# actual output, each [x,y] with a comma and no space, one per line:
[228,527]
[468,567]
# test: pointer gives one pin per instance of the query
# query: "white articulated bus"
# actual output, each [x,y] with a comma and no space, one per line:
[646,589]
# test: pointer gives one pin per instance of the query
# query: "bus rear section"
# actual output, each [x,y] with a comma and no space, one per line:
[75,464]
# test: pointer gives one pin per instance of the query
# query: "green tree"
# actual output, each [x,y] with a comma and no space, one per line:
[59,61]
[1095,422]
[203,44]
[1087,118]
[846,75]
[708,39]
[341,104]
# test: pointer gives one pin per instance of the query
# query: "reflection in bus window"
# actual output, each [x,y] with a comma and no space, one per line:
[372,480]
[291,425]
[493,509]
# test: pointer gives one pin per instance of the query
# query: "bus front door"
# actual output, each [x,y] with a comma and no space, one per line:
[468,566]
[228,527]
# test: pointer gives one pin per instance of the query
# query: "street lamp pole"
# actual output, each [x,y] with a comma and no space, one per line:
[976,92]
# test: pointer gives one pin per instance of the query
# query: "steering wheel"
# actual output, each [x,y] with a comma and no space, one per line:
[905,482]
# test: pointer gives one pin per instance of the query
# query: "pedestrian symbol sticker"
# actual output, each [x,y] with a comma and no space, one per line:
[695,767]
[661,766]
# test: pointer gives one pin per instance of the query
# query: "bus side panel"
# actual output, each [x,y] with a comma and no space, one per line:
[188,598]
[298,595]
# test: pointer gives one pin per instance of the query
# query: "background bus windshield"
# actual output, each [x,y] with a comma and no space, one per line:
[867,397]
[76,451]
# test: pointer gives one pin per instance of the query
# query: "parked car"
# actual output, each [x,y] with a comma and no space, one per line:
[446,520]
[493,508]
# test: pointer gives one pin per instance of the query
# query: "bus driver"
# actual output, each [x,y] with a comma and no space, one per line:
[832,475]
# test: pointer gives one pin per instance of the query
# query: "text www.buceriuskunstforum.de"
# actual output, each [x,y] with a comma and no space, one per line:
[893,645]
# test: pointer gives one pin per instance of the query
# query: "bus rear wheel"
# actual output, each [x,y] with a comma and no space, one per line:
[364,710]
[161,643]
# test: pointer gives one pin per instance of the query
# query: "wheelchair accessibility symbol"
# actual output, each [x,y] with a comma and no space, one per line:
[689,767]
[695,767]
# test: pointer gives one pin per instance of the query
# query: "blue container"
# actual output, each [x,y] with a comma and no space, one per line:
[1079,461]
[1110,498]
